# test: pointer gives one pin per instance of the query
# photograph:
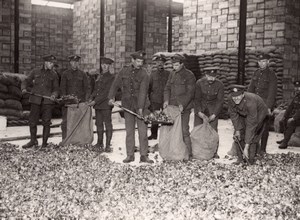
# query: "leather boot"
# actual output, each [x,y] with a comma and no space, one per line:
[108,140]
[33,140]
[146,159]
[283,145]
[46,134]
[128,159]
[154,129]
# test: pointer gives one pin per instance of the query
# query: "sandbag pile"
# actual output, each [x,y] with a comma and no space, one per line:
[10,97]
[227,61]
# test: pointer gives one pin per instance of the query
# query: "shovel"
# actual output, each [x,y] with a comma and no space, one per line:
[131,112]
[240,146]
[43,96]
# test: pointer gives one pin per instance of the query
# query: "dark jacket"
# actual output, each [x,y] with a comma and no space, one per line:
[248,115]
[264,84]
[293,109]
[180,88]
[101,89]
[45,83]
[134,84]
[158,80]
[75,82]
[209,98]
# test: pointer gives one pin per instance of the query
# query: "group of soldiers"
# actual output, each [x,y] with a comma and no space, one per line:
[250,110]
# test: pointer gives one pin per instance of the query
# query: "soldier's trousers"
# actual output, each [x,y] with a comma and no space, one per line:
[154,127]
[265,135]
[130,121]
[185,119]
[37,111]
[290,129]
[103,118]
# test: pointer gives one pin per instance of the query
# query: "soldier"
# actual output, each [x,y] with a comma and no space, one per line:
[99,100]
[45,83]
[158,80]
[73,82]
[248,113]
[134,82]
[209,98]
[264,84]
[179,91]
[291,118]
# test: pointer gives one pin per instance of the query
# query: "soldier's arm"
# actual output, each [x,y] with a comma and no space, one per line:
[272,90]
[198,98]
[289,110]
[63,84]
[235,117]
[86,86]
[190,93]
[143,91]
[297,115]
[115,85]
[28,80]
[104,93]
[150,85]
[220,100]
[251,87]
[55,91]
[251,122]
[167,89]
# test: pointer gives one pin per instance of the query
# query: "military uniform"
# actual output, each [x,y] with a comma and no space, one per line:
[45,83]
[134,83]
[73,82]
[248,117]
[209,100]
[158,80]
[293,111]
[180,90]
[103,110]
[264,84]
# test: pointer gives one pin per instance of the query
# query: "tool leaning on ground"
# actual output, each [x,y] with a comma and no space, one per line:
[146,119]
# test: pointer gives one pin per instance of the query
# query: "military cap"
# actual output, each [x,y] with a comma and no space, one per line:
[263,57]
[106,60]
[74,58]
[178,58]
[236,89]
[49,58]
[211,71]
[297,83]
[138,55]
[160,57]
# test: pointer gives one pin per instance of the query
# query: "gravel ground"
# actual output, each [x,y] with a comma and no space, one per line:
[78,182]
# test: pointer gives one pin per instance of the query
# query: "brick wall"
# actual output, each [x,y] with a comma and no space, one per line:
[177,33]
[51,34]
[86,33]
[6,35]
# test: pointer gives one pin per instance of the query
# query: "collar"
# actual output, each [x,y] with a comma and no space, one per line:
[180,70]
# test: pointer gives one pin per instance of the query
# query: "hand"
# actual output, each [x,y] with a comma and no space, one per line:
[204,117]
[166,104]
[111,102]
[246,151]
[180,108]
[140,112]
[91,103]
[237,135]
[24,91]
[290,120]
[212,118]
[269,111]
[53,98]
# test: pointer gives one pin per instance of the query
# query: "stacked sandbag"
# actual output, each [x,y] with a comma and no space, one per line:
[10,97]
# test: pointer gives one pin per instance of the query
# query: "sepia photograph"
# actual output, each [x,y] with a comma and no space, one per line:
[150,109]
